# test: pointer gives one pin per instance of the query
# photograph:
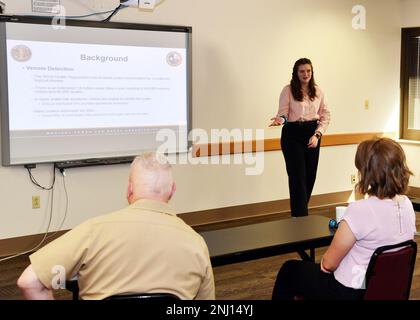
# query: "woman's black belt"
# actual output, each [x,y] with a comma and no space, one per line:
[303,123]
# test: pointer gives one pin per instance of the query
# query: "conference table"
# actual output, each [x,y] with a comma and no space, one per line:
[266,239]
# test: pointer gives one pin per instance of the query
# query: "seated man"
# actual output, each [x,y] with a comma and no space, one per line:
[143,248]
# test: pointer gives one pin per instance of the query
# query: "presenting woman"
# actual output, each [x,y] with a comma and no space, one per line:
[304,114]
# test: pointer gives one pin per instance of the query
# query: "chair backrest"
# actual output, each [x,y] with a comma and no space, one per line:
[390,271]
[73,286]
[145,296]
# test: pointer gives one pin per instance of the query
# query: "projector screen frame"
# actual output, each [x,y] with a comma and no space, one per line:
[4,99]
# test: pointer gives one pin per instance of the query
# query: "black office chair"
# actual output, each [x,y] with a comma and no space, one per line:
[145,296]
[73,286]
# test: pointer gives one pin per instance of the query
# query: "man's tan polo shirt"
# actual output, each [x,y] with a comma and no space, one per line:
[142,248]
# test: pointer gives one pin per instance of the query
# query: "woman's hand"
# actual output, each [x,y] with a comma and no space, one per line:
[276,122]
[313,142]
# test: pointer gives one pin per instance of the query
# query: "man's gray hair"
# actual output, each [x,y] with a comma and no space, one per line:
[152,161]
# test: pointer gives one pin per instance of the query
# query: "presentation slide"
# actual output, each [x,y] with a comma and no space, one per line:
[88,92]
[72,86]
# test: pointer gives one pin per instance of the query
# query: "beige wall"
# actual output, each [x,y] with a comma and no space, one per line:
[410,17]
[410,13]
[243,52]
[413,159]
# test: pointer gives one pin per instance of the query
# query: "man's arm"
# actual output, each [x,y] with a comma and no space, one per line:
[207,290]
[31,287]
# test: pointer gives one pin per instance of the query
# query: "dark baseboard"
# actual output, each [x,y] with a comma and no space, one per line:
[416,204]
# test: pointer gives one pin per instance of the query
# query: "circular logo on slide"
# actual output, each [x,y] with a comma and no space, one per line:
[174,59]
[21,53]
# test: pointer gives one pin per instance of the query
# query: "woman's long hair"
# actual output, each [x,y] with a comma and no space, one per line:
[295,82]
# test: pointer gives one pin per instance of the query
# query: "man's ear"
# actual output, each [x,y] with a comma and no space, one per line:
[173,189]
[129,192]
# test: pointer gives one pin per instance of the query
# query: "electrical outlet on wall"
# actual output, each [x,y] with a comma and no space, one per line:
[147,4]
[36,202]
[367,104]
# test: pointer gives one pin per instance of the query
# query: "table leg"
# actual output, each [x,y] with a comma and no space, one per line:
[312,254]
[307,257]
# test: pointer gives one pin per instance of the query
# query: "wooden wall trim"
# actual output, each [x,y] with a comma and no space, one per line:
[257,212]
[414,192]
[26,243]
[329,140]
